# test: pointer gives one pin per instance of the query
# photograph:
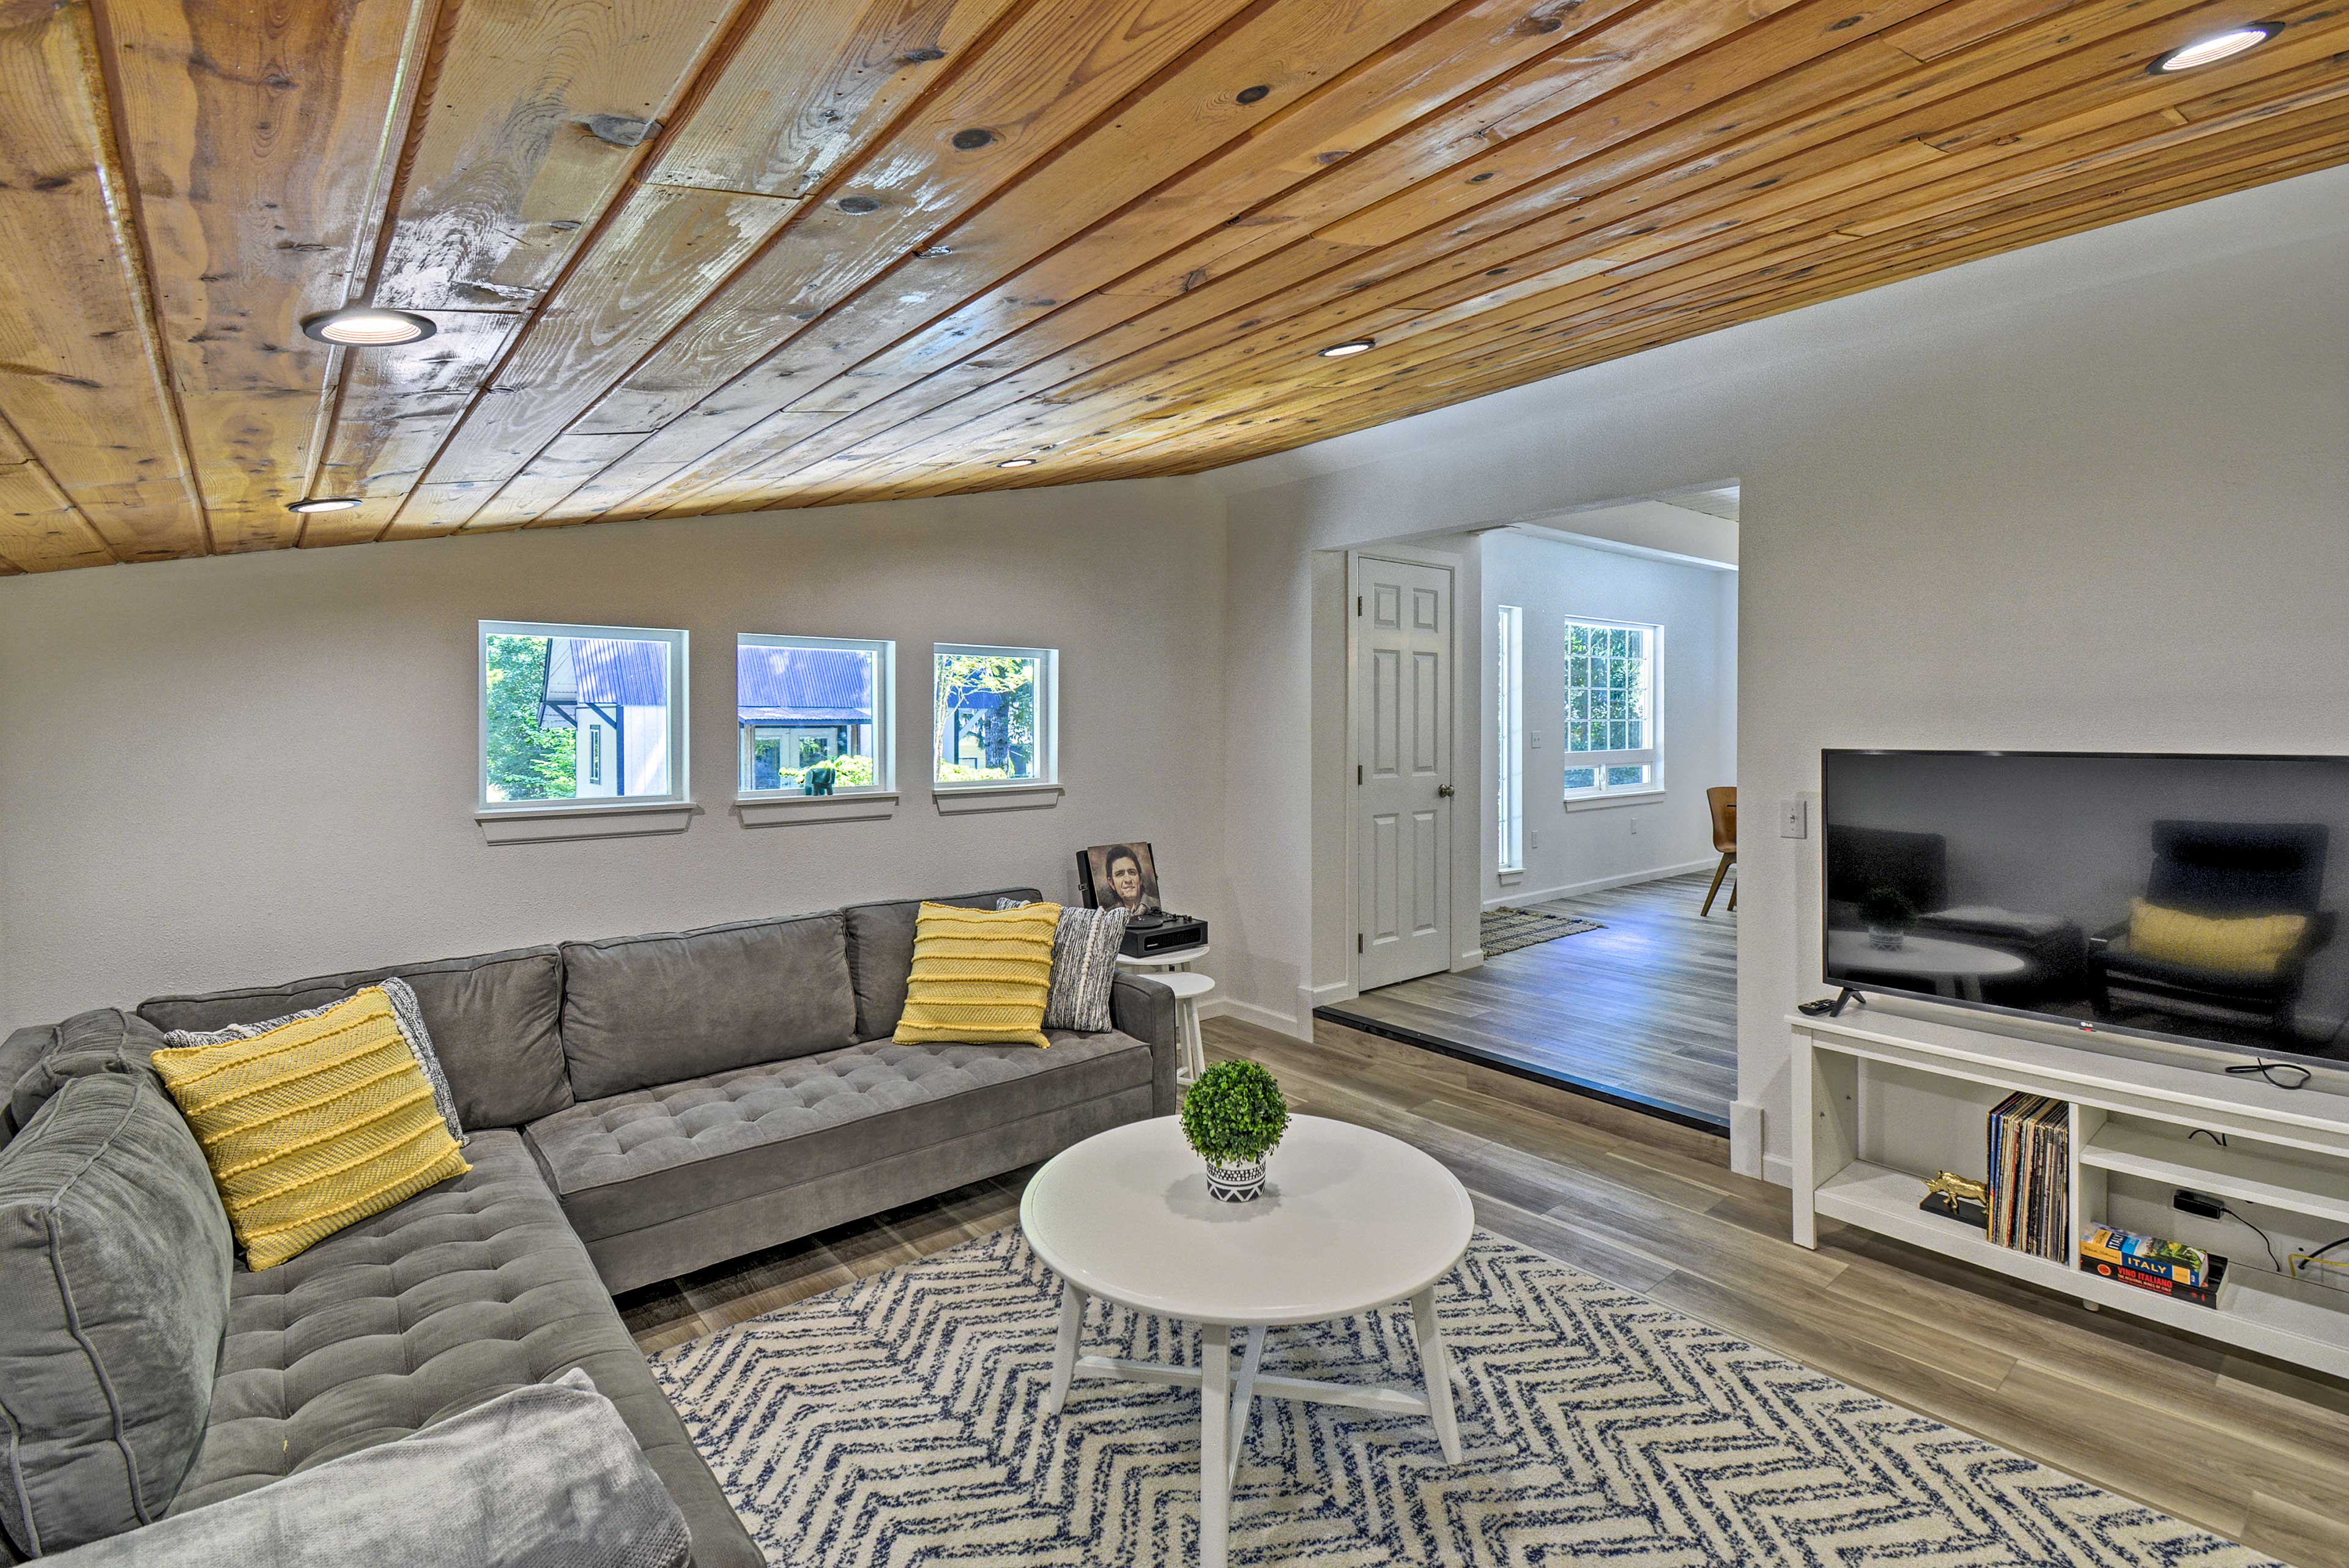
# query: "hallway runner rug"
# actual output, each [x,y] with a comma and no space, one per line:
[898,1422]
[1505,930]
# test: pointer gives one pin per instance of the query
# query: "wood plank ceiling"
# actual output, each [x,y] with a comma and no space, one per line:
[709,255]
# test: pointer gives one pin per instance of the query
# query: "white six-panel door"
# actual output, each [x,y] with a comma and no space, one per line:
[1402,756]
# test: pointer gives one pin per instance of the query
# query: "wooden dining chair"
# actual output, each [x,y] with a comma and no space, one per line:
[1722,801]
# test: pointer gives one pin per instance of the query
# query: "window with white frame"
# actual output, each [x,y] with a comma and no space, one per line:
[812,715]
[1508,730]
[581,715]
[995,715]
[1612,740]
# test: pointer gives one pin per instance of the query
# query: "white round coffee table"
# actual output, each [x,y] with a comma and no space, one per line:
[1955,969]
[1350,1220]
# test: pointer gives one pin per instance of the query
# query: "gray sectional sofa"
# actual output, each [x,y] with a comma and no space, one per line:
[636,1109]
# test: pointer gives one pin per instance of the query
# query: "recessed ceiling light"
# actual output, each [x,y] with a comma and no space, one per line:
[369,326]
[2217,48]
[1017,462]
[1352,345]
[323,504]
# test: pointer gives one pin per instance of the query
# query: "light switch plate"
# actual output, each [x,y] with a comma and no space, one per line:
[1794,818]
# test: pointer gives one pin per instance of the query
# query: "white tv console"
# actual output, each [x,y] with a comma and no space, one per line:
[1884,1098]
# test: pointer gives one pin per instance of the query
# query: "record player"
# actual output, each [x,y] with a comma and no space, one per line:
[1147,936]
[1111,876]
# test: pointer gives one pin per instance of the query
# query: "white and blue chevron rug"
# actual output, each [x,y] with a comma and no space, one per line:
[897,1422]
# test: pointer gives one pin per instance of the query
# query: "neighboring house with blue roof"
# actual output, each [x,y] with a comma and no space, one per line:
[797,707]
[615,692]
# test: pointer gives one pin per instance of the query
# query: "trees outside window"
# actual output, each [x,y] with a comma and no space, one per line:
[580,714]
[1613,728]
[527,760]
[993,715]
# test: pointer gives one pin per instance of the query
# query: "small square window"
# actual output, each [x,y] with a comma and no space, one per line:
[995,715]
[581,715]
[812,715]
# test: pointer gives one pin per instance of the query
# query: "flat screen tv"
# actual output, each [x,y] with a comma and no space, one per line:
[2187,898]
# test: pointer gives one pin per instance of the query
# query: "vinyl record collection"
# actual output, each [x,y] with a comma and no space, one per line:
[2030,1206]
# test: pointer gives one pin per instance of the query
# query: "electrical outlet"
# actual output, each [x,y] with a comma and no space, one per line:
[1794,819]
[1533,839]
[1533,740]
[1635,826]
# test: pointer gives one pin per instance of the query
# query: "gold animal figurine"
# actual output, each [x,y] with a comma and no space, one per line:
[1957,1189]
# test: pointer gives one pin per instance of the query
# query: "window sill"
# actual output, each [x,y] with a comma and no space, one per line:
[1510,876]
[1626,797]
[779,810]
[546,824]
[953,800]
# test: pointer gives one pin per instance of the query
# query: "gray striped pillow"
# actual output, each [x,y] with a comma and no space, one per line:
[1084,966]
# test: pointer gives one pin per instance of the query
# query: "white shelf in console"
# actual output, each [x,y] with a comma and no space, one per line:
[2287,1148]
[2292,1321]
[2230,1172]
[1877,1198]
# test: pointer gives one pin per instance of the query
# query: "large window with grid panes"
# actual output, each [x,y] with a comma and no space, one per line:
[1613,740]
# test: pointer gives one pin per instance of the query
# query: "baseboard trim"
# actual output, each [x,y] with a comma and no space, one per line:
[1310,998]
[1663,1109]
[1519,897]
[1745,1136]
[1778,1170]
[1249,1012]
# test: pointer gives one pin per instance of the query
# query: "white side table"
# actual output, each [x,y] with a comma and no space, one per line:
[1350,1220]
[1172,969]
[1191,1046]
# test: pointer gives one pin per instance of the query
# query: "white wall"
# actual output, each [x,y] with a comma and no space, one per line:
[2010,504]
[227,771]
[1588,845]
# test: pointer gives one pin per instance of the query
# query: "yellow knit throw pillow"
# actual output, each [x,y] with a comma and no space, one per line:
[2252,945]
[314,1125]
[979,976]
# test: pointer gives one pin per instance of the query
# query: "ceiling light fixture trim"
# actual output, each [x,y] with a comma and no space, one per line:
[1351,346]
[2210,51]
[323,504]
[369,326]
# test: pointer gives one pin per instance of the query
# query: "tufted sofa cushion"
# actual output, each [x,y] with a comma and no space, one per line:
[462,1293]
[641,1158]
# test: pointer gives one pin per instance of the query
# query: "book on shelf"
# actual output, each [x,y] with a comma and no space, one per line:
[2164,1267]
[2173,1261]
[2030,1158]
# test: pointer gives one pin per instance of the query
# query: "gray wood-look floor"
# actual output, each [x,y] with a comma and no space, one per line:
[2251,1449]
[1646,1008]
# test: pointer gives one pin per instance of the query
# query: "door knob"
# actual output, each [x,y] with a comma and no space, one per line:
[1443,790]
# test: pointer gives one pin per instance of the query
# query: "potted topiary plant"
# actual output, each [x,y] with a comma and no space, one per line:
[1889,914]
[1234,1115]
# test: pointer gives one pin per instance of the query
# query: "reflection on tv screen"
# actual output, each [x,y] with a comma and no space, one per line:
[2185,896]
